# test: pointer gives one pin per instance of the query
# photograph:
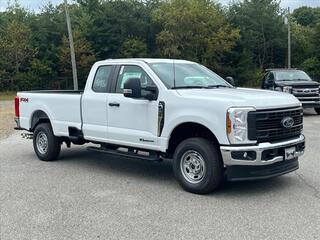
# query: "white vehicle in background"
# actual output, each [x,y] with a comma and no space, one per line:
[157,109]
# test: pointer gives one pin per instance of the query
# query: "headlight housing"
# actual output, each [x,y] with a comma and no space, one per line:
[287,89]
[237,125]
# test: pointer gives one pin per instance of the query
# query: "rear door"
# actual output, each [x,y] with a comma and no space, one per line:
[95,105]
[132,122]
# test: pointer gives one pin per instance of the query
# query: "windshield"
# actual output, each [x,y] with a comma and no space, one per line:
[187,75]
[292,76]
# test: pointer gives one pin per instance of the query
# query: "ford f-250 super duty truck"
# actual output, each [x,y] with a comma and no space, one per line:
[296,82]
[157,109]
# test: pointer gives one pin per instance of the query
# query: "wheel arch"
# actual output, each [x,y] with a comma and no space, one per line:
[38,116]
[187,130]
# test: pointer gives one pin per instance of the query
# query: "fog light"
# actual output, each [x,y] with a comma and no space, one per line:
[244,155]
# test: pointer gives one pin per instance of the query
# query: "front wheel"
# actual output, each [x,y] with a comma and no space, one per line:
[317,110]
[45,144]
[198,165]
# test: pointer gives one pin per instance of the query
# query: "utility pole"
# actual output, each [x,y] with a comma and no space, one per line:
[289,38]
[72,53]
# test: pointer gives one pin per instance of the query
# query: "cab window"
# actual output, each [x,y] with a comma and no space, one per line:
[100,81]
[130,71]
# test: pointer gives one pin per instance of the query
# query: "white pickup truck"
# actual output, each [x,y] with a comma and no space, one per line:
[158,109]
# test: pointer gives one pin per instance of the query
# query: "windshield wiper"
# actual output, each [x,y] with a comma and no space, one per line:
[202,87]
[300,79]
[186,87]
[218,86]
[289,80]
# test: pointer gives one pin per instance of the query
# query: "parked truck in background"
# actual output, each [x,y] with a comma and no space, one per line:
[157,109]
[295,82]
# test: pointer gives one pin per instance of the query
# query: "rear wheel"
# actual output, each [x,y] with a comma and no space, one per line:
[198,165]
[317,110]
[45,144]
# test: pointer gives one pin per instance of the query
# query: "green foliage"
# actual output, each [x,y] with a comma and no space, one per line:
[306,16]
[195,30]
[262,30]
[85,57]
[240,40]
[312,66]
[133,48]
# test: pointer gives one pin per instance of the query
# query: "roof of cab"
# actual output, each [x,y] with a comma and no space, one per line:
[281,69]
[147,60]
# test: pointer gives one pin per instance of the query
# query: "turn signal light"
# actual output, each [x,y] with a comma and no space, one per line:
[229,125]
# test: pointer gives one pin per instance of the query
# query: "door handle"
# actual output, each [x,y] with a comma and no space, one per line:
[114,104]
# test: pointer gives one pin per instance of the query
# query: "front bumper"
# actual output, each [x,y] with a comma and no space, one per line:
[309,102]
[261,161]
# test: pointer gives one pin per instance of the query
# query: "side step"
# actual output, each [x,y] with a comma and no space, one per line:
[130,154]
[27,135]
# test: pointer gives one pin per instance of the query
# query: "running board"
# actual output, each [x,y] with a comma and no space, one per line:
[151,157]
[27,135]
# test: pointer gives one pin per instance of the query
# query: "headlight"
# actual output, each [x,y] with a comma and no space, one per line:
[287,89]
[237,125]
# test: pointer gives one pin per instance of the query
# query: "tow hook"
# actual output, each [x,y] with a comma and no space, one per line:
[27,135]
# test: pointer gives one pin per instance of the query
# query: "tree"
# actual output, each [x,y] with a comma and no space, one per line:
[133,47]
[195,30]
[262,30]
[15,48]
[114,22]
[305,16]
[302,47]
[85,57]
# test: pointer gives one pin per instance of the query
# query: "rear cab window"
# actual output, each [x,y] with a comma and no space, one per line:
[102,78]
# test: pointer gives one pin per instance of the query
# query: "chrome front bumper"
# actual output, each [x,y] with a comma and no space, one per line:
[228,160]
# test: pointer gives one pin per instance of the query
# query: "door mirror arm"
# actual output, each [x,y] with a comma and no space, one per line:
[132,89]
[152,94]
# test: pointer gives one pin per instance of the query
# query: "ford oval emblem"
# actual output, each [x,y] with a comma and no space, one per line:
[287,122]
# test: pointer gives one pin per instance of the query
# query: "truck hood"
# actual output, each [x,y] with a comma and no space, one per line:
[298,83]
[260,99]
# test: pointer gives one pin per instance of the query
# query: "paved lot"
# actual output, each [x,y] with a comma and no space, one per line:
[91,196]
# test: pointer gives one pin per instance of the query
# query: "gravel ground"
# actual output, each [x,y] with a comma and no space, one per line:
[93,196]
[6,118]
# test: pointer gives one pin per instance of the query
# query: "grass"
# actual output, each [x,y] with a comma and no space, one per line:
[6,118]
[6,96]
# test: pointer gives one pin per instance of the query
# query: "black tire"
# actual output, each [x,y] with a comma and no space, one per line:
[317,110]
[51,152]
[198,148]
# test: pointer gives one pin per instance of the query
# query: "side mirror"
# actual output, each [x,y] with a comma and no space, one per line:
[230,80]
[270,82]
[152,93]
[132,88]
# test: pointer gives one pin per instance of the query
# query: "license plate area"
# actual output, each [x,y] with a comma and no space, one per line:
[289,153]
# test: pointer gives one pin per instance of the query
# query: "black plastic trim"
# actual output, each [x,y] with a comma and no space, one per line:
[248,173]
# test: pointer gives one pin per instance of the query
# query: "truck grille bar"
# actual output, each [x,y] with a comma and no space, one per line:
[266,125]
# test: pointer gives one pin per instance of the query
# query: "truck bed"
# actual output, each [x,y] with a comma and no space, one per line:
[62,107]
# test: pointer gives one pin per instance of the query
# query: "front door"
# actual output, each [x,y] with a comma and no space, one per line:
[132,122]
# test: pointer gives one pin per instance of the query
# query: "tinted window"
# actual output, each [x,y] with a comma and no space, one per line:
[270,77]
[127,72]
[100,81]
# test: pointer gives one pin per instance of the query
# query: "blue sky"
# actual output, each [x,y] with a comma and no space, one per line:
[37,4]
